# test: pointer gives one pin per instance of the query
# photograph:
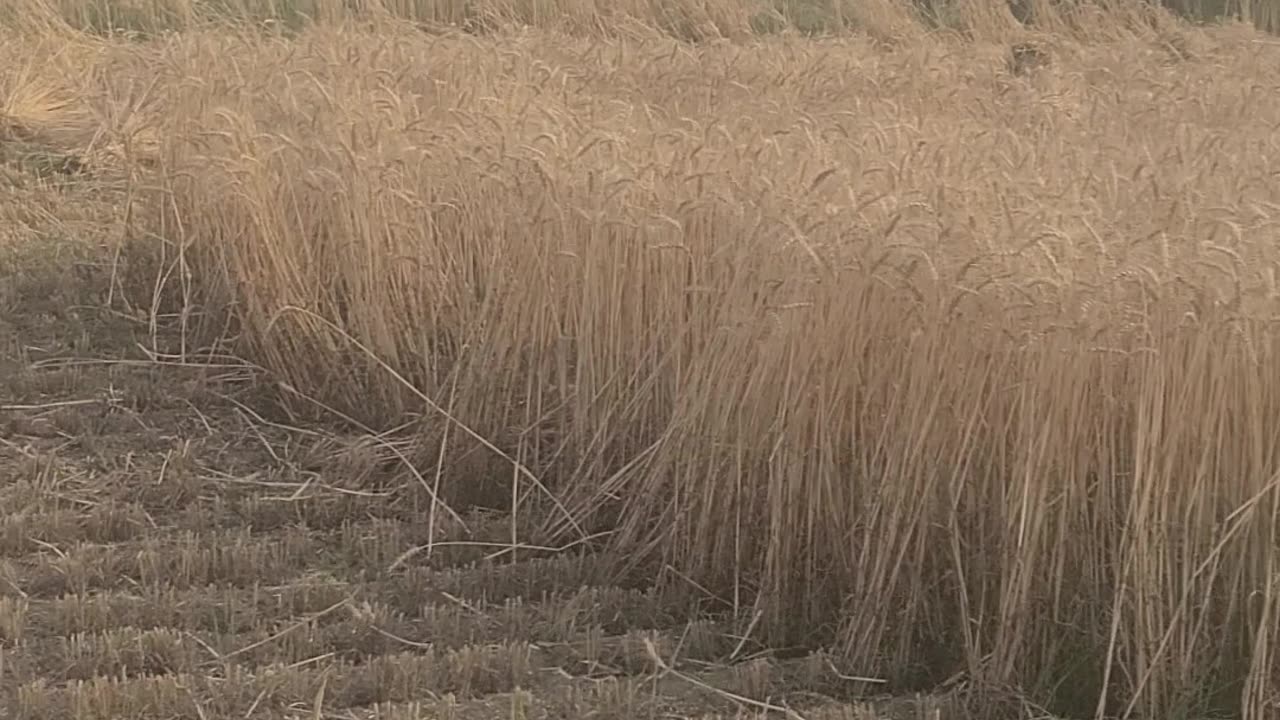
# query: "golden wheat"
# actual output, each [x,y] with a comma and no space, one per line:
[959,368]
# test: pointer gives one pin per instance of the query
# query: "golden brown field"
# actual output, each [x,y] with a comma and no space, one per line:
[630,361]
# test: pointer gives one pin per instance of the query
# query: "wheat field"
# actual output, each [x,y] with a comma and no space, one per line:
[910,356]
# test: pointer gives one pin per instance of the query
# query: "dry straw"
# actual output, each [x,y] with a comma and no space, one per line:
[958,368]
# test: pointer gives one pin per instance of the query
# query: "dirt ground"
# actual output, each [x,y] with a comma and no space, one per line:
[168,552]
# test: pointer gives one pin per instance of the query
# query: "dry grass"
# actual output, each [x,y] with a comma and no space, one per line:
[946,359]
[703,20]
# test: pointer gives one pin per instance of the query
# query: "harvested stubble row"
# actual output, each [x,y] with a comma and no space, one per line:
[964,368]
